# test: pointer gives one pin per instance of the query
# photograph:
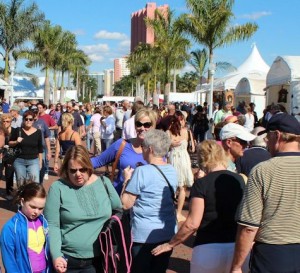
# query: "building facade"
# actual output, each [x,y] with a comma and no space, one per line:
[140,33]
[108,82]
[120,68]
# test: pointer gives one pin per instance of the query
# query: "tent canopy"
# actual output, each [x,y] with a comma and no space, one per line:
[284,70]
[254,67]
[251,86]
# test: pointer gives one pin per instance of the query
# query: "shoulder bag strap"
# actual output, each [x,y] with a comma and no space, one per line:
[170,187]
[114,166]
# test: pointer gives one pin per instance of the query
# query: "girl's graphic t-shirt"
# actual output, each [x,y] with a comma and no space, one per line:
[36,245]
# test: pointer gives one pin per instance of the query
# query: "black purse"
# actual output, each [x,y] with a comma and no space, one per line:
[9,154]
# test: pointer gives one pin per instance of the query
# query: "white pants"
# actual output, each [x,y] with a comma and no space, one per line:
[214,258]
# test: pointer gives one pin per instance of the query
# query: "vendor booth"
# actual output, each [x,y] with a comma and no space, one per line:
[283,84]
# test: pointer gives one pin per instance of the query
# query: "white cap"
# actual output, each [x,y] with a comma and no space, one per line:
[235,130]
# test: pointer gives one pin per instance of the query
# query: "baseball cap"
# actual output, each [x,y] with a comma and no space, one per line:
[235,130]
[284,123]
[15,108]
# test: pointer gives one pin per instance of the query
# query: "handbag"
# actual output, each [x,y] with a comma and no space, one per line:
[116,241]
[9,154]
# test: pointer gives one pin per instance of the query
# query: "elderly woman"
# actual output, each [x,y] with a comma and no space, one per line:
[214,200]
[150,198]
[76,209]
[131,152]
[29,140]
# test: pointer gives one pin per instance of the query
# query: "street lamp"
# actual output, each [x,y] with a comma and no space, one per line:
[12,65]
[212,68]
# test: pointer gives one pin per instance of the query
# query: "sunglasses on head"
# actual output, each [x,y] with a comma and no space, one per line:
[82,170]
[145,124]
[28,119]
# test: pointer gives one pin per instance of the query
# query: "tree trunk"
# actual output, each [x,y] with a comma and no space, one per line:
[167,93]
[62,89]
[47,88]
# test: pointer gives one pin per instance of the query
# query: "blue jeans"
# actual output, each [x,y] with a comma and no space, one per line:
[27,168]
[106,143]
[144,262]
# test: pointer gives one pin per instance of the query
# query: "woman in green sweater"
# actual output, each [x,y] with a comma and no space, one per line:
[77,207]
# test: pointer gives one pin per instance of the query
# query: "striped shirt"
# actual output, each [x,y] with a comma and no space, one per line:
[271,200]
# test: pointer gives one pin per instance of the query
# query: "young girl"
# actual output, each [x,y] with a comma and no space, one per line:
[24,237]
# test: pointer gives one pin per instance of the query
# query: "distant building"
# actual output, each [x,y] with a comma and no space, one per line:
[120,68]
[108,82]
[100,82]
[140,33]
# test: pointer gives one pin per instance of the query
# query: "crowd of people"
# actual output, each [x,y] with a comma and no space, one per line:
[244,196]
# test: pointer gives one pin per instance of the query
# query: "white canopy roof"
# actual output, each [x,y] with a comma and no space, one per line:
[3,83]
[253,67]
[284,70]
[251,86]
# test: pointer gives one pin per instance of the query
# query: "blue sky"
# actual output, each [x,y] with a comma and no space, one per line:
[103,27]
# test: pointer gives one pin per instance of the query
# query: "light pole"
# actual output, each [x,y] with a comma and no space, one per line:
[212,67]
[12,65]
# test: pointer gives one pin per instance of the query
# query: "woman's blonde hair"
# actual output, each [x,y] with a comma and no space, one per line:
[152,115]
[107,109]
[66,120]
[6,116]
[81,155]
[210,155]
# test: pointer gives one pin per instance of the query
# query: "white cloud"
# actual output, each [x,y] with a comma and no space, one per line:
[103,34]
[79,32]
[125,43]
[96,58]
[255,15]
[99,48]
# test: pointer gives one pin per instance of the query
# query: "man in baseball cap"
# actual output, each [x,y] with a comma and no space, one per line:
[269,214]
[234,139]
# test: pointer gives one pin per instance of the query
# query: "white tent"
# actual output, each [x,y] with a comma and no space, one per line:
[254,66]
[251,89]
[283,83]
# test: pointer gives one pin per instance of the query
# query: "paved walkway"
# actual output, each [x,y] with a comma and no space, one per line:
[181,255]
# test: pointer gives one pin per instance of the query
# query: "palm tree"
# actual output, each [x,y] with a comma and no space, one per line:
[17,24]
[199,60]
[209,24]
[170,43]
[44,54]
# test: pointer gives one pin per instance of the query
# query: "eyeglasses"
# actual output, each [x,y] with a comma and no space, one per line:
[139,124]
[28,119]
[82,170]
[6,121]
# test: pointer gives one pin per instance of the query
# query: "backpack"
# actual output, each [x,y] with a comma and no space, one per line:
[116,242]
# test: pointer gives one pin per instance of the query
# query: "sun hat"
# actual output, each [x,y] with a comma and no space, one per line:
[235,130]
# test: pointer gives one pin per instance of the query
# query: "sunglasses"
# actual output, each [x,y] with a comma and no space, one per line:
[6,121]
[242,142]
[139,124]
[82,170]
[28,119]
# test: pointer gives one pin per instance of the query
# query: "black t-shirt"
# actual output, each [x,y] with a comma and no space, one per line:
[222,192]
[31,145]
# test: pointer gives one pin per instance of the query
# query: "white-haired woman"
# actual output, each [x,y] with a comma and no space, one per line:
[150,197]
